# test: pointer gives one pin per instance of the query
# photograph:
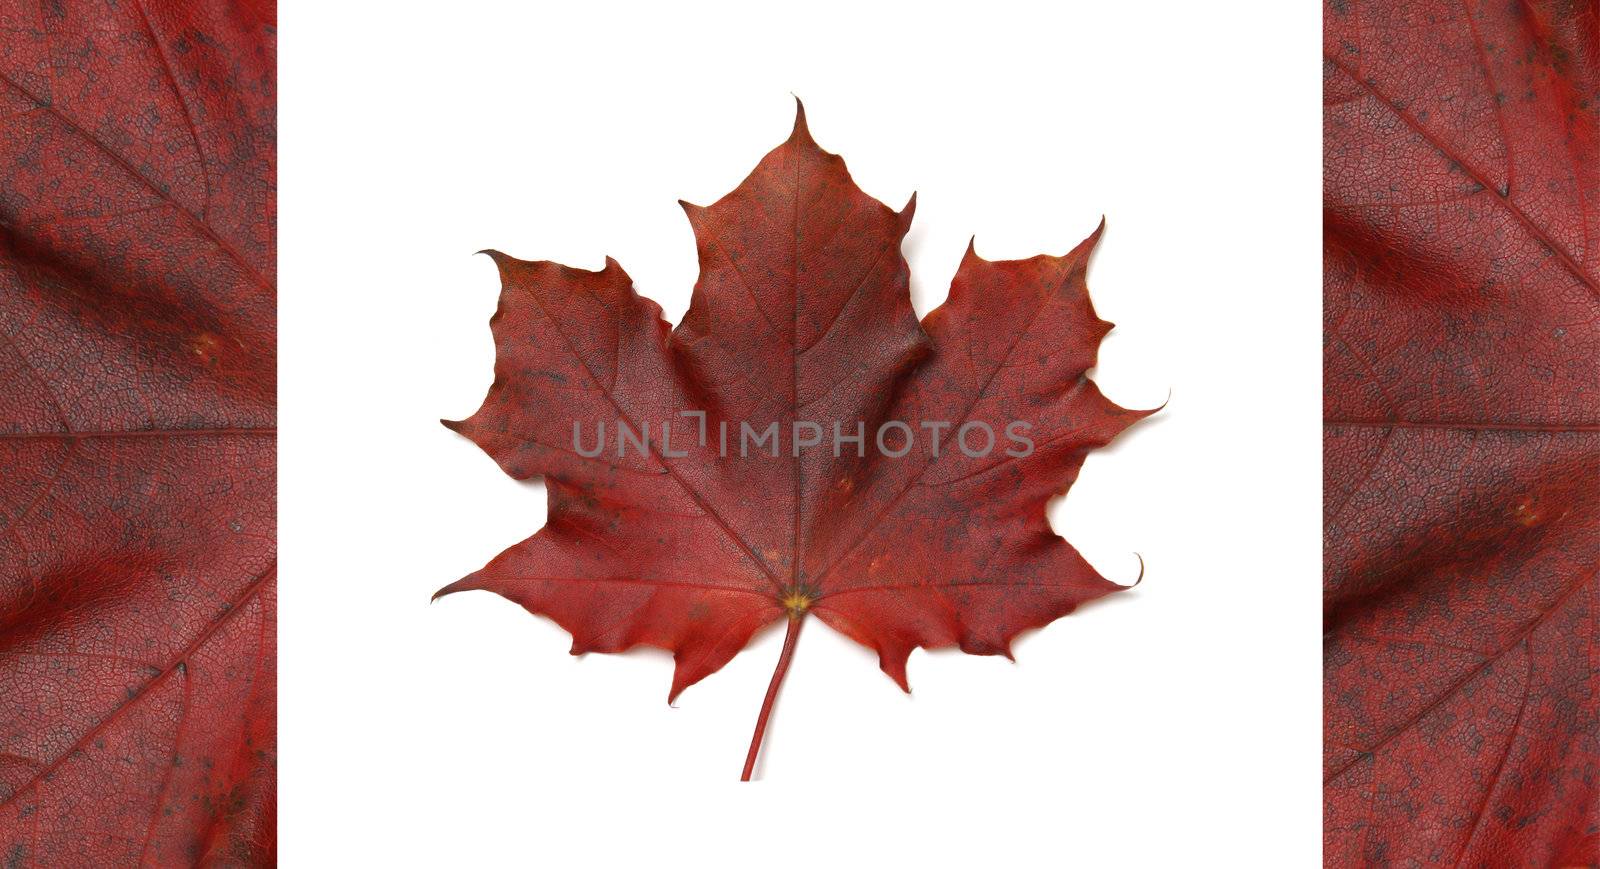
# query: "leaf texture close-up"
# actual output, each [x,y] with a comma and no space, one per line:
[137,418]
[1462,433]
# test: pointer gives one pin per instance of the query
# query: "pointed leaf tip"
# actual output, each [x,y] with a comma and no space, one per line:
[972,249]
[893,664]
[1094,237]
[801,132]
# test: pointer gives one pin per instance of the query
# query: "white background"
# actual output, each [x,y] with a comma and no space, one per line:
[1175,724]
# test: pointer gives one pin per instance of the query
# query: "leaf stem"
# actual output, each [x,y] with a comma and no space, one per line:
[793,633]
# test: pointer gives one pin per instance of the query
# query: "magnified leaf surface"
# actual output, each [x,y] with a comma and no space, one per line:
[1462,433]
[137,526]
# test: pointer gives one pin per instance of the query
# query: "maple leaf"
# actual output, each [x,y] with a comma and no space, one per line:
[1462,433]
[137,529]
[800,326]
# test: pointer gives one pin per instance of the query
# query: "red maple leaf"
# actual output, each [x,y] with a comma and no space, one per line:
[801,322]
[1462,433]
[137,529]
